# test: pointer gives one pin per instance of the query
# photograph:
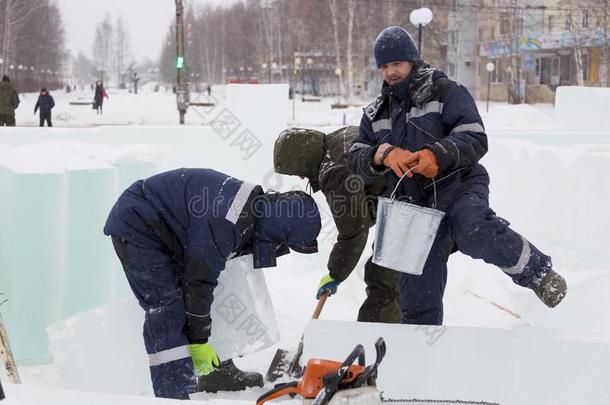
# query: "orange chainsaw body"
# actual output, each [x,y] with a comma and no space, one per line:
[312,381]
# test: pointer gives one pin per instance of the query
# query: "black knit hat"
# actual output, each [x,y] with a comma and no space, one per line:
[5,78]
[394,44]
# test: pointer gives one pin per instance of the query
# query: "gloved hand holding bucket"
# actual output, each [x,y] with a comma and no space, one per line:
[404,233]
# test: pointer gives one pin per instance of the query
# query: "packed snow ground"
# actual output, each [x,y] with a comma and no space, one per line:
[477,295]
[159,108]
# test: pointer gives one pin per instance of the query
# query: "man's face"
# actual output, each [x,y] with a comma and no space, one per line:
[395,72]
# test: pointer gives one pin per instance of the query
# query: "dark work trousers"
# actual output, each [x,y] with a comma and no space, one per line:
[381,303]
[45,117]
[154,279]
[473,228]
[7,120]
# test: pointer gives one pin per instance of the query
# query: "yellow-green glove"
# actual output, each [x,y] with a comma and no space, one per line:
[327,283]
[204,357]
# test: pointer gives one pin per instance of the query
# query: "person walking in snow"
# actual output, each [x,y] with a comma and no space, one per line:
[9,101]
[98,98]
[320,158]
[427,128]
[45,103]
[173,234]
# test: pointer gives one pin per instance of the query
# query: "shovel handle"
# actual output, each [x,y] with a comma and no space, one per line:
[321,302]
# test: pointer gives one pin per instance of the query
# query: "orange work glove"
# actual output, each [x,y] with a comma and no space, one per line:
[424,162]
[396,160]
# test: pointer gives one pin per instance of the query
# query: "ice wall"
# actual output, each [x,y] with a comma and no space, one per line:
[33,211]
[54,257]
[557,193]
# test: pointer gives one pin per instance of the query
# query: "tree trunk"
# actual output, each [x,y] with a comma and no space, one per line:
[279,40]
[335,19]
[7,36]
[606,47]
[350,47]
[578,55]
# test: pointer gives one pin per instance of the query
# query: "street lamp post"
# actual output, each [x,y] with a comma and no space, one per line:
[272,70]
[420,18]
[490,68]
[182,91]
[339,72]
[309,64]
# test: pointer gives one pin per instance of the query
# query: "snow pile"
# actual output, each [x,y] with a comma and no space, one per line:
[31,395]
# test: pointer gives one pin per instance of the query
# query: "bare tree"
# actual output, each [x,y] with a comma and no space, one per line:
[121,42]
[84,68]
[16,15]
[351,11]
[103,46]
[335,20]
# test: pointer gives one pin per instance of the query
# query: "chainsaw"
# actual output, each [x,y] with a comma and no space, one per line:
[322,379]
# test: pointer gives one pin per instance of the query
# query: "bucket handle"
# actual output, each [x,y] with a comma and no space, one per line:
[393,195]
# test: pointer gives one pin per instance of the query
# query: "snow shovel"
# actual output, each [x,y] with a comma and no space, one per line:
[282,364]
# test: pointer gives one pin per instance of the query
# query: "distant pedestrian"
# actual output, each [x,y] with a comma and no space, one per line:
[9,101]
[98,99]
[209,90]
[45,103]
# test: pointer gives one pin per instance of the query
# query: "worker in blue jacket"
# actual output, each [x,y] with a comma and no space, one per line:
[425,136]
[173,234]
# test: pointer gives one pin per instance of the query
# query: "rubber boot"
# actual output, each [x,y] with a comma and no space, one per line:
[551,289]
[228,377]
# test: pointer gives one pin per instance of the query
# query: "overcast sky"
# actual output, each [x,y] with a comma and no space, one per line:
[147,22]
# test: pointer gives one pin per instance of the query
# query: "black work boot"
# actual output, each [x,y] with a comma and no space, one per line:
[551,288]
[228,377]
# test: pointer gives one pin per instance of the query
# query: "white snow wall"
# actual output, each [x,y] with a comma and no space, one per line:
[58,185]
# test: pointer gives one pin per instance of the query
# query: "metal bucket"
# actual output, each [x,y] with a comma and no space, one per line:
[404,234]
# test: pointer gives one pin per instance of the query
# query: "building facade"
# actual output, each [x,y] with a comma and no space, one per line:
[539,45]
[535,46]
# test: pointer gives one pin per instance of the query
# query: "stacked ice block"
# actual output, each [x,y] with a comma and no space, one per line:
[54,259]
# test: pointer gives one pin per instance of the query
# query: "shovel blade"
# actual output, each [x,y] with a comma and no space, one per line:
[279,365]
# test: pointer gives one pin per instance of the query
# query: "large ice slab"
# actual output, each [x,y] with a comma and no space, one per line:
[583,108]
[33,211]
[523,366]
[54,257]
[102,350]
